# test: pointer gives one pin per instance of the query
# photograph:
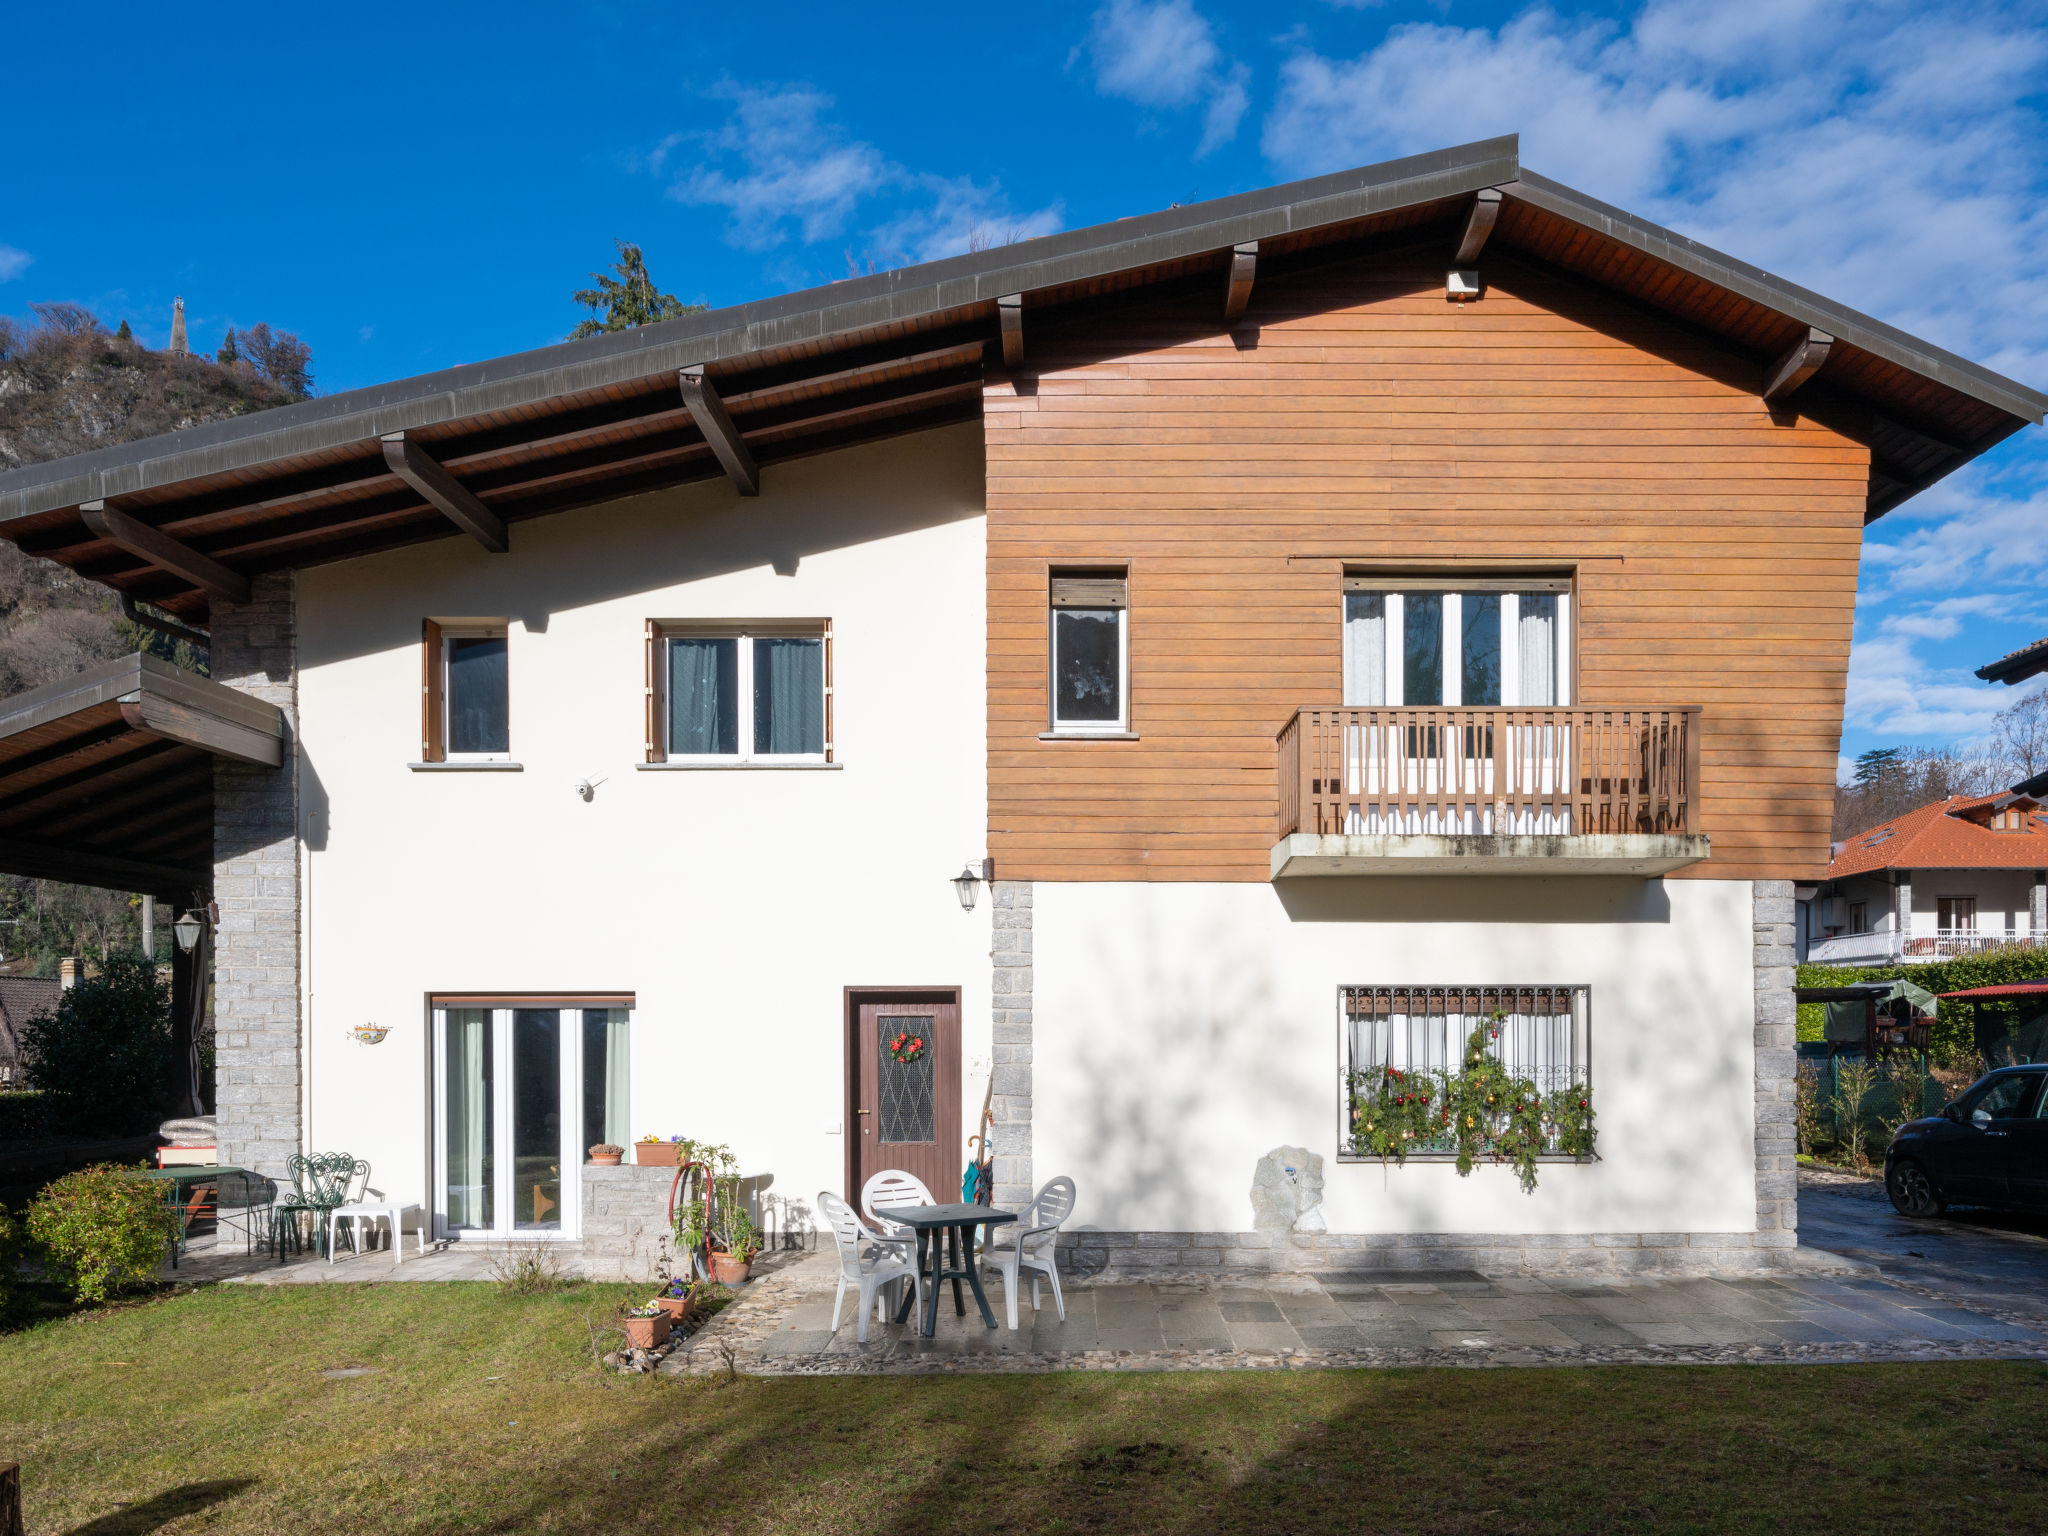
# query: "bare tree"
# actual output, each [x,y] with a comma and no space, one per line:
[1898,780]
[2021,732]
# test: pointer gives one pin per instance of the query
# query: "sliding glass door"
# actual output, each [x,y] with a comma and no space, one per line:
[521,1094]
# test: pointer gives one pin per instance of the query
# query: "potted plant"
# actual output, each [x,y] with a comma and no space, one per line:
[649,1152]
[713,1222]
[646,1327]
[678,1299]
[607,1154]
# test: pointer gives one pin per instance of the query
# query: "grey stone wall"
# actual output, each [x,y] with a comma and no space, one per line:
[625,1218]
[1010,955]
[1777,1066]
[257,1067]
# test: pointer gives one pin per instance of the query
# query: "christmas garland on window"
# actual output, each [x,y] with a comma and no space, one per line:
[906,1048]
[1482,1110]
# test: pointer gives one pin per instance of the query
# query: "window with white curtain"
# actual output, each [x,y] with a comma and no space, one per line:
[1457,641]
[745,693]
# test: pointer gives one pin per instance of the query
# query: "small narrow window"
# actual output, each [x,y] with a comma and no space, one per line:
[739,693]
[1859,917]
[466,693]
[1090,653]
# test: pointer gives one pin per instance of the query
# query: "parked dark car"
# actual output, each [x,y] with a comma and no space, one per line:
[1990,1147]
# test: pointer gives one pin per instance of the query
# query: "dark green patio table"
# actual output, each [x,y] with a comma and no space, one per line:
[183,1176]
[957,1224]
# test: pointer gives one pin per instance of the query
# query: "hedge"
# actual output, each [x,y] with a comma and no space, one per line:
[1952,1032]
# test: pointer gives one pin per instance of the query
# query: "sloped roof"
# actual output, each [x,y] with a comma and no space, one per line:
[2017,666]
[588,421]
[1938,837]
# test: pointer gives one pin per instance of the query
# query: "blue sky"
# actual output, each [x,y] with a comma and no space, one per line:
[423,188]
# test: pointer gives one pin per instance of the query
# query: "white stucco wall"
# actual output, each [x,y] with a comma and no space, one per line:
[736,904]
[1183,1031]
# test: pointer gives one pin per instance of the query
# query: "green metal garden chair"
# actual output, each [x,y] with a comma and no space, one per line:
[320,1182]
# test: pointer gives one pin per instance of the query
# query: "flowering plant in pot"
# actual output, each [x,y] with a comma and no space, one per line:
[679,1299]
[607,1154]
[652,1152]
[646,1327]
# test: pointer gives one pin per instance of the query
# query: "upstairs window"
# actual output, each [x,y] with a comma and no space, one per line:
[1859,917]
[466,692]
[1472,641]
[733,693]
[1090,653]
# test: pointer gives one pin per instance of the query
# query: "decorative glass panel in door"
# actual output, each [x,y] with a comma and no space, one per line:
[906,1086]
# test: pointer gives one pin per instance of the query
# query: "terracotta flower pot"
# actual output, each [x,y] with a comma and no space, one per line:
[654,1154]
[676,1308]
[647,1332]
[607,1159]
[727,1270]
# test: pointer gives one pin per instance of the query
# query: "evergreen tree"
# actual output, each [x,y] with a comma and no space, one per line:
[630,299]
[1876,763]
[228,353]
[124,334]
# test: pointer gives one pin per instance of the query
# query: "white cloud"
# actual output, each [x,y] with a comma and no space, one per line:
[1163,54]
[781,167]
[13,263]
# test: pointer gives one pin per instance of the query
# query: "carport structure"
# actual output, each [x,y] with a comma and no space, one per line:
[106,779]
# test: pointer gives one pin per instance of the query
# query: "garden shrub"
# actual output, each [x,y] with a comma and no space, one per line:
[104,1227]
[103,1059]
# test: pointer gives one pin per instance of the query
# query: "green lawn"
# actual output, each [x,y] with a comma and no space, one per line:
[207,1412]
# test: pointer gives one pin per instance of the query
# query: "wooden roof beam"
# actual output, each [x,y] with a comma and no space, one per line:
[1244,266]
[708,412]
[1010,311]
[443,492]
[45,861]
[1799,363]
[165,553]
[1478,225]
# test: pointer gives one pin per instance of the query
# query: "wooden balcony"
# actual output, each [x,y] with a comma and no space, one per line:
[1385,791]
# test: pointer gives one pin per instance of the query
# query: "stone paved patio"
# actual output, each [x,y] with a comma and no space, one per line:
[1971,1286]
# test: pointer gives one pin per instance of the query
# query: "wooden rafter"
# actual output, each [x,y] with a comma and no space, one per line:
[708,412]
[165,552]
[1010,312]
[442,491]
[1800,362]
[1478,225]
[1244,265]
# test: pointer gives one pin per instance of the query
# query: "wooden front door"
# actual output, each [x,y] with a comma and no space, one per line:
[906,1115]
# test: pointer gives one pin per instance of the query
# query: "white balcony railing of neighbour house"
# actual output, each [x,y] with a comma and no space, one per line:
[1943,944]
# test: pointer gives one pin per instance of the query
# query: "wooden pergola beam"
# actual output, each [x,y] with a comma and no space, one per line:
[1010,311]
[1478,225]
[443,492]
[45,861]
[708,412]
[1244,266]
[165,552]
[1799,363]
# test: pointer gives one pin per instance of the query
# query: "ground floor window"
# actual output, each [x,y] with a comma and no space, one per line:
[1418,1036]
[523,1089]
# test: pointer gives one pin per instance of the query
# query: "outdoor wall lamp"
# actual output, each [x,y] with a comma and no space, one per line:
[967,884]
[186,931]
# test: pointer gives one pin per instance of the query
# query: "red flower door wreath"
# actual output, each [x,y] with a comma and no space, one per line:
[906,1048]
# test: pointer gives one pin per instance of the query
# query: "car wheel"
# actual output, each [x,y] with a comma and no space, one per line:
[1913,1192]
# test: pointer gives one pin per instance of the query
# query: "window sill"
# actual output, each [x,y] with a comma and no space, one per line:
[479,767]
[1087,735]
[756,766]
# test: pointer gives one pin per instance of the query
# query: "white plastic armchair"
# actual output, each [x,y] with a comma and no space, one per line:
[893,1187]
[1036,1232]
[866,1261]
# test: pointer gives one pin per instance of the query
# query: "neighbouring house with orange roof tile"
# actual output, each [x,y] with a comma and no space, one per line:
[1960,874]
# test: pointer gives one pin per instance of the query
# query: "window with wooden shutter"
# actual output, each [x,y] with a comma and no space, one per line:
[433,713]
[737,692]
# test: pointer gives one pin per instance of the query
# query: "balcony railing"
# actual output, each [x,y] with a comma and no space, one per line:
[1943,944]
[1490,772]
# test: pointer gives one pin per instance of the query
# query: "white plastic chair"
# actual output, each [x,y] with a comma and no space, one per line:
[893,1187]
[867,1261]
[1037,1231]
